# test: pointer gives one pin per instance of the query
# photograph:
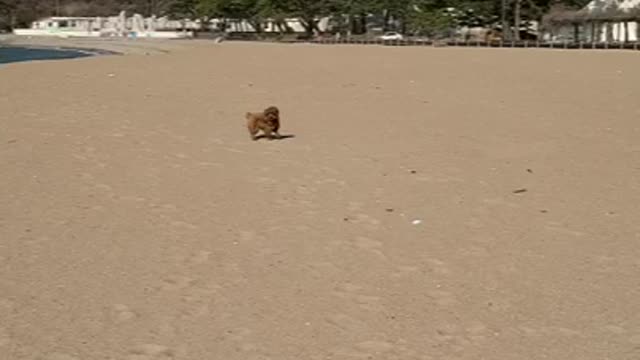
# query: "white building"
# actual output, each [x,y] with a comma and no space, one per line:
[116,26]
[601,21]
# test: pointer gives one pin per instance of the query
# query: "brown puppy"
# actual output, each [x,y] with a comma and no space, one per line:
[268,121]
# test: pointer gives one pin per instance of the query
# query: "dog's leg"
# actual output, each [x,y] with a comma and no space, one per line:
[268,131]
[275,126]
[253,131]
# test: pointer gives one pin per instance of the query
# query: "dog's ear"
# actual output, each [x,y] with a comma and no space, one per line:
[248,115]
[272,111]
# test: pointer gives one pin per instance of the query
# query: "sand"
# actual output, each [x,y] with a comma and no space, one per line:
[433,204]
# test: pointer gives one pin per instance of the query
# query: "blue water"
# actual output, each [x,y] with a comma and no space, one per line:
[9,54]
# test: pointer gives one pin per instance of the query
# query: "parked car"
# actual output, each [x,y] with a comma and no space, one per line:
[391,36]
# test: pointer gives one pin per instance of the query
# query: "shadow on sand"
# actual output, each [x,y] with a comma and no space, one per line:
[282,137]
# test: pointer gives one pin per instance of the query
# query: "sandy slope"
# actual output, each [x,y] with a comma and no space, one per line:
[139,222]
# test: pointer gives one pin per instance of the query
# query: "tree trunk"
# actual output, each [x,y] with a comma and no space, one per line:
[593,32]
[309,26]
[257,26]
[517,19]
[506,33]
[363,23]
[385,26]
[576,33]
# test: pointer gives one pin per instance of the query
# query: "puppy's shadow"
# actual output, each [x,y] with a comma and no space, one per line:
[282,137]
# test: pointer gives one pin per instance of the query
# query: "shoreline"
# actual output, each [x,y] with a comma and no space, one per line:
[100,46]
[84,50]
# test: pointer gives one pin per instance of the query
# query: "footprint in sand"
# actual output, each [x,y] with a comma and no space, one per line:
[556,331]
[347,289]
[368,221]
[6,305]
[183,225]
[551,331]
[5,339]
[350,292]
[437,266]
[614,329]
[562,229]
[151,352]
[198,300]
[349,354]
[457,340]
[346,323]
[477,332]
[239,335]
[323,269]
[121,313]
[354,206]
[249,236]
[59,356]
[176,282]
[373,246]
[104,187]
[369,302]
[164,326]
[635,339]
[442,298]
[200,257]
[375,347]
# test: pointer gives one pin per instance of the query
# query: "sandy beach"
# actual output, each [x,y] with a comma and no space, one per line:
[433,204]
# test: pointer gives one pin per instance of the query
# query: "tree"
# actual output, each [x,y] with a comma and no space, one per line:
[254,11]
[431,22]
[308,11]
